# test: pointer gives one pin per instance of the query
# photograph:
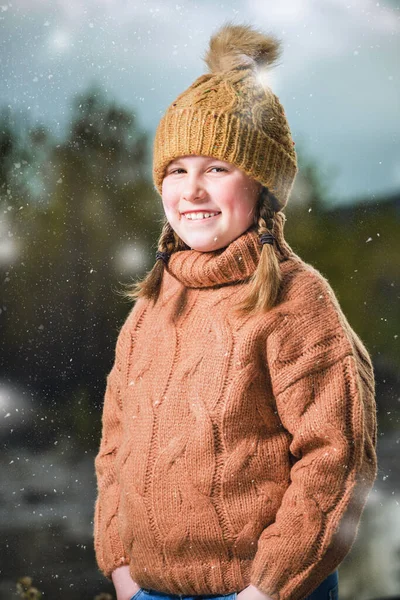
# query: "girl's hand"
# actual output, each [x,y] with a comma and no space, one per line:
[252,593]
[124,585]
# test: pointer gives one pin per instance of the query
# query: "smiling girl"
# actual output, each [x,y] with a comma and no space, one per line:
[239,420]
[200,198]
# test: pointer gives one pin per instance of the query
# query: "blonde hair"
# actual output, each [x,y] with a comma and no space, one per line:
[264,284]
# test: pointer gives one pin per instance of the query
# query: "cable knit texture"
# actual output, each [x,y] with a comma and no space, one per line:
[235,451]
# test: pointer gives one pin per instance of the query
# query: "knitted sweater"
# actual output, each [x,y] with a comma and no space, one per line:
[234,451]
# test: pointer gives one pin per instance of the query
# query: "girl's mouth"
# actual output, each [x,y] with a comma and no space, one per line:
[200,216]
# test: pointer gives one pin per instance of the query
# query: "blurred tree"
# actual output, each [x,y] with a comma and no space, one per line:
[95,204]
[356,247]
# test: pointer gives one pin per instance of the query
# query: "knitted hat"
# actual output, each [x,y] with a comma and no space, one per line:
[231,114]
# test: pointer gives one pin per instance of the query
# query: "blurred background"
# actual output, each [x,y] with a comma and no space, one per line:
[83,86]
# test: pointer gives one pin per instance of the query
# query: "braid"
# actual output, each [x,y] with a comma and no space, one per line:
[166,242]
[265,214]
[265,282]
[169,242]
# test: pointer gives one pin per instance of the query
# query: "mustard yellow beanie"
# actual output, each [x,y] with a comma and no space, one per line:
[231,114]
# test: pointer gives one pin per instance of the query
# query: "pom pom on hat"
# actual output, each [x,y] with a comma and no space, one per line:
[234,46]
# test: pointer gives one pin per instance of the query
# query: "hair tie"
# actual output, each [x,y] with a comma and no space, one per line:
[164,256]
[267,238]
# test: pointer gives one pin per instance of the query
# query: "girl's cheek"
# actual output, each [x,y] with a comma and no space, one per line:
[164,188]
[168,194]
[165,205]
[168,210]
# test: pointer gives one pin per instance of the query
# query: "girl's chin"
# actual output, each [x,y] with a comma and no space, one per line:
[204,244]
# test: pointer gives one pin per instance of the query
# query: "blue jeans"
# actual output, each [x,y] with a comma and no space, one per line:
[327,590]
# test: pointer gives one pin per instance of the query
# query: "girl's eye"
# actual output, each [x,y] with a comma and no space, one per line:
[178,170]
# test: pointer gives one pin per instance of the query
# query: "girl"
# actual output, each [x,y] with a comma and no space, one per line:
[239,422]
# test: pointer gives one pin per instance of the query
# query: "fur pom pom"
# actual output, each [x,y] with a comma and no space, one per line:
[235,46]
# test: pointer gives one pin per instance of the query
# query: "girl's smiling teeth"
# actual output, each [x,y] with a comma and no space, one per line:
[195,216]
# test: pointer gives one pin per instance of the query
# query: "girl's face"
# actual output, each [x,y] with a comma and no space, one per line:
[208,202]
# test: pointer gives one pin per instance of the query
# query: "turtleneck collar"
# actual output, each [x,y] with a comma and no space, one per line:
[232,264]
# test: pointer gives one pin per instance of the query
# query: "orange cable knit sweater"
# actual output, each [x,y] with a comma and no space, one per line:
[235,450]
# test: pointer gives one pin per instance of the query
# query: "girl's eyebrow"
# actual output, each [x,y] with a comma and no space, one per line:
[173,165]
[206,161]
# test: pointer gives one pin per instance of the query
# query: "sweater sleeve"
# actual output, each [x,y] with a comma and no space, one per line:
[109,549]
[323,383]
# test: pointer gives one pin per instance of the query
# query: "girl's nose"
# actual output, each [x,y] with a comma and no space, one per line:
[193,190]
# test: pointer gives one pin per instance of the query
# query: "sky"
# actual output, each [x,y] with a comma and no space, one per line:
[337,78]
